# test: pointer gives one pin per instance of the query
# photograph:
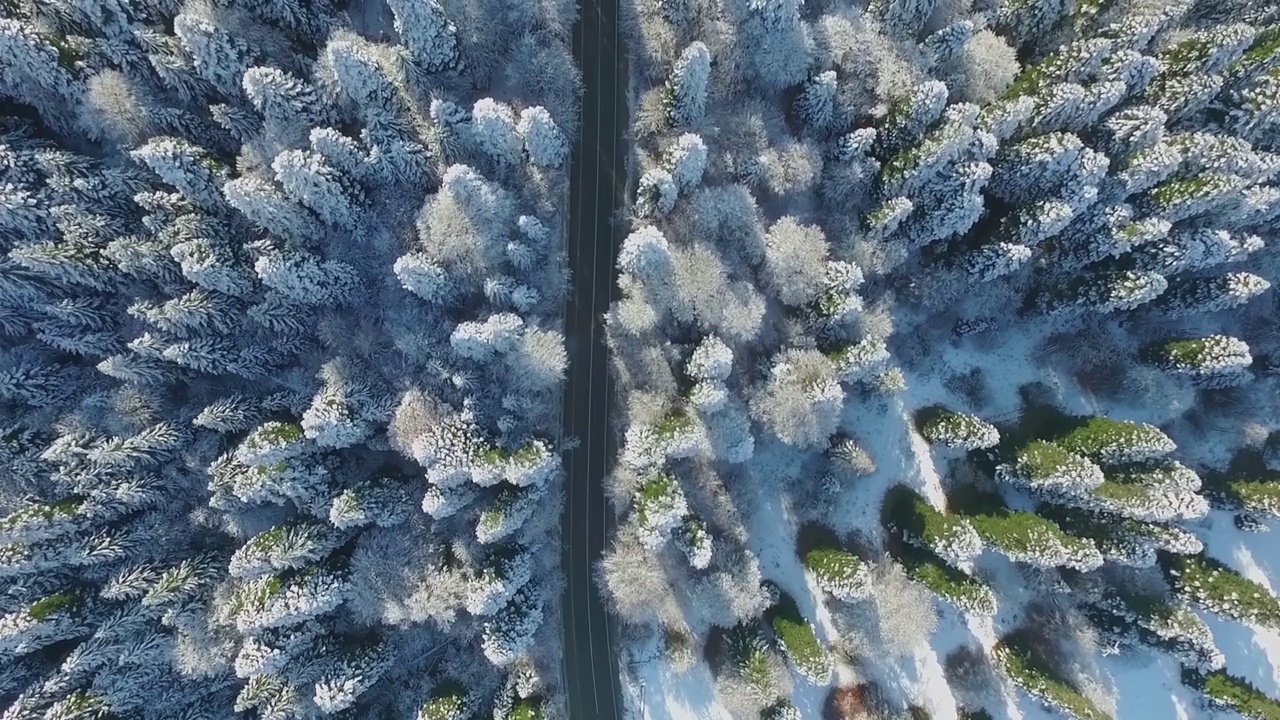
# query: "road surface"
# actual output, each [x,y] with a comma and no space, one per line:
[597,188]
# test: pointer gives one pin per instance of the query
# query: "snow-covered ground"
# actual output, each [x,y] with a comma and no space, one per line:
[1131,684]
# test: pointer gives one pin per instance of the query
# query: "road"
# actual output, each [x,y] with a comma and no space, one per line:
[597,188]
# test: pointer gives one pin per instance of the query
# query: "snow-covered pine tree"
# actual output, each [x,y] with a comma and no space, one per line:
[839,572]
[1208,583]
[427,32]
[945,427]
[1210,294]
[687,87]
[1212,361]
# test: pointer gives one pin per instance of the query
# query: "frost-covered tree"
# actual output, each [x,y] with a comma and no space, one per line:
[1210,294]
[308,179]
[1213,586]
[495,131]
[802,399]
[950,537]
[186,167]
[543,141]
[659,507]
[839,572]
[775,41]
[1109,441]
[687,88]
[1213,361]
[956,430]
[1050,468]
[428,33]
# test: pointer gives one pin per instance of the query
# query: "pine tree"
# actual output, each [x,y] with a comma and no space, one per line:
[659,507]
[687,88]
[775,40]
[941,426]
[503,573]
[903,17]
[309,180]
[1258,496]
[1110,441]
[694,540]
[656,193]
[1228,691]
[507,513]
[688,162]
[1029,538]
[495,132]
[186,167]
[37,73]
[545,144]
[1107,292]
[1211,294]
[354,673]
[840,573]
[950,537]
[427,32]
[819,104]
[264,205]
[509,633]
[798,643]
[909,118]
[449,701]
[1213,361]
[1049,468]
[381,502]
[218,57]
[285,547]
[1208,583]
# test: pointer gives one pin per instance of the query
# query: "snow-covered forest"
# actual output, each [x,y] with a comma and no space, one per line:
[948,360]
[281,296]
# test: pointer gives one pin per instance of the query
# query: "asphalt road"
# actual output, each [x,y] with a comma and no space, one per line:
[596,189]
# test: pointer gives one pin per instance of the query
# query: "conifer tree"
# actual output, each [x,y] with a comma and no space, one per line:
[427,32]
[687,88]
[956,430]
[1213,361]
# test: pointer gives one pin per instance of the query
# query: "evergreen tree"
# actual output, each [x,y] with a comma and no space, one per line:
[1211,294]
[840,573]
[950,537]
[687,88]
[941,426]
[1110,441]
[1213,361]
[1204,581]
[427,32]
[1051,469]
[545,144]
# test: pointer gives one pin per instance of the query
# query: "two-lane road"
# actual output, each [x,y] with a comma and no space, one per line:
[597,189]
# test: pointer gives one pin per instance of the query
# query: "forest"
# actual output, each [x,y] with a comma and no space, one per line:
[947,360]
[944,359]
[281,352]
